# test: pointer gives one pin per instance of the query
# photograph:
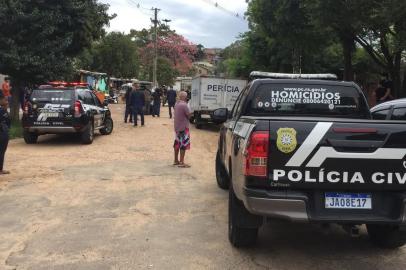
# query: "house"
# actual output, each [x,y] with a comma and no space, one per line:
[203,68]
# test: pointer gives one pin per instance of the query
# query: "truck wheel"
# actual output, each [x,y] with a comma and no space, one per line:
[198,125]
[88,135]
[197,120]
[30,137]
[238,234]
[223,180]
[386,236]
[108,127]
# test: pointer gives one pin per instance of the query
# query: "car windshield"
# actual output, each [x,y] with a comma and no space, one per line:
[55,96]
[308,100]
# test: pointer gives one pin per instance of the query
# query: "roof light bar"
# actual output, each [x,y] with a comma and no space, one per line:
[271,75]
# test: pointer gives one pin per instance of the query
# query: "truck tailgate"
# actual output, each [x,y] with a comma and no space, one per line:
[337,155]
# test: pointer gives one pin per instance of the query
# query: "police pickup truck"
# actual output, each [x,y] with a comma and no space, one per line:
[61,108]
[307,150]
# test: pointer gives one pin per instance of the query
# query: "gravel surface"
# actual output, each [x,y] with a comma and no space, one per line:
[120,204]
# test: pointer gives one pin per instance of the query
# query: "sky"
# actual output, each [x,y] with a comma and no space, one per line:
[197,20]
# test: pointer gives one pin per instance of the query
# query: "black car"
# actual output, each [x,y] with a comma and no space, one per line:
[308,151]
[65,109]
[390,110]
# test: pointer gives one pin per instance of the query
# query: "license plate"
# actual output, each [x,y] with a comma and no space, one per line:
[335,200]
[51,115]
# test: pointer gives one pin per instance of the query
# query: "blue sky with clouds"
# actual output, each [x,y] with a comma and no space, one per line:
[197,20]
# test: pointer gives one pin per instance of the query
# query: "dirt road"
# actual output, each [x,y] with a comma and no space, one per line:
[119,204]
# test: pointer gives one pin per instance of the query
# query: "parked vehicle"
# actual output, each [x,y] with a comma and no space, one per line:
[69,108]
[209,94]
[308,151]
[390,110]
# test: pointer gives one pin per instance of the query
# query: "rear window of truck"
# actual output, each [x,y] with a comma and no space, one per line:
[53,96]
[308,100]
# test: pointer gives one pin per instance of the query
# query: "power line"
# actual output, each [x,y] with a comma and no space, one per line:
[216,5]
[139,7]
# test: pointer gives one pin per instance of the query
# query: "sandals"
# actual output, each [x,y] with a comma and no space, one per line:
[184,165]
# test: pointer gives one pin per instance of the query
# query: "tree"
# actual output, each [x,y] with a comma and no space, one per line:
[287,34]
[115,54]
[283,36]
[39,39]
[384,36]
[175,49]
[199,55]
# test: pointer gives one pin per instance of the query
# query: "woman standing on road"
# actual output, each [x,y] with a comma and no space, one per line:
[4,127]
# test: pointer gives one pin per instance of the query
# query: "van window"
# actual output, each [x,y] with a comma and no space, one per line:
[309,100]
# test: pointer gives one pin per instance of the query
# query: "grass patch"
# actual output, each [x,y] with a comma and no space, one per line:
[16,130]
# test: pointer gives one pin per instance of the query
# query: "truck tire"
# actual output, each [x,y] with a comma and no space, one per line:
[386,236]
[88,135]
[108,127]
[223,181]
[197,120]
[30,137]
[238,234]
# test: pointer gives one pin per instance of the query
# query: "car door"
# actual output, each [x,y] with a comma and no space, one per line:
[100,110]
[230,126]
[91,108]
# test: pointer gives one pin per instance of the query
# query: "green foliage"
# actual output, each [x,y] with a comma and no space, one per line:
[283,38]
[116,54]
[166,72]
[40,38]
[365,37]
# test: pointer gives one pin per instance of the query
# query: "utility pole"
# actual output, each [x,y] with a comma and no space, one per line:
[155,21]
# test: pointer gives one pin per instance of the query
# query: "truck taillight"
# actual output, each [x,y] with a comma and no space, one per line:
[78,108]
[26,108]
[256,154]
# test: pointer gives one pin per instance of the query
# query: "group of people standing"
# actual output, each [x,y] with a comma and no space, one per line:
[136,101]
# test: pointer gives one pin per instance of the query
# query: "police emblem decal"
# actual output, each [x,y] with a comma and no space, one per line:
[286,141]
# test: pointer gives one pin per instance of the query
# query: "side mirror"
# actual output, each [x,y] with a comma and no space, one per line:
[220,115]
[106,102]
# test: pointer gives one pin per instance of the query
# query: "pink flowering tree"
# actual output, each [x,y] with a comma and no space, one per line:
[178,50]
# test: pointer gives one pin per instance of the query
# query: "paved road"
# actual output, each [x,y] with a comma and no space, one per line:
[119,204]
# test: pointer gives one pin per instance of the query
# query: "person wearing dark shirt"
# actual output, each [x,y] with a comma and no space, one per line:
[128,111]
[4,127]
[156,110]
[189,95]
[164,96]
[384,91]
[171,98]
[137,104]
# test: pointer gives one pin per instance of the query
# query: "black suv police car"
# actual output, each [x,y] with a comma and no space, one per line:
[66,108]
